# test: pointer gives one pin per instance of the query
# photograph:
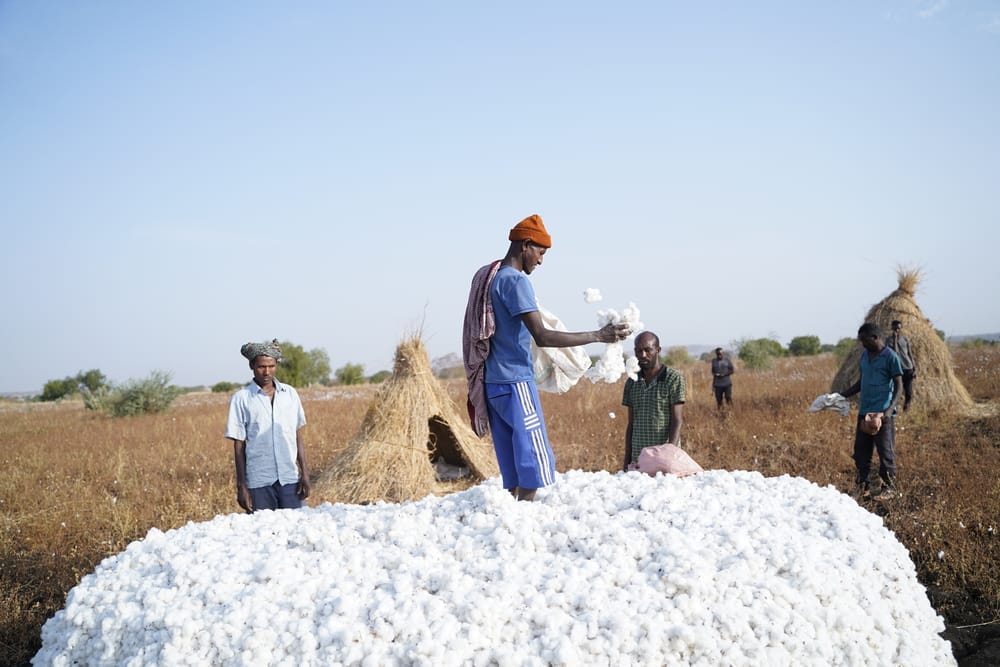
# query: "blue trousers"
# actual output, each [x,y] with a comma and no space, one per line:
[276,497]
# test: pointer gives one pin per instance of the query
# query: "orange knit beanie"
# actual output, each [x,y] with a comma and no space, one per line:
[531,229]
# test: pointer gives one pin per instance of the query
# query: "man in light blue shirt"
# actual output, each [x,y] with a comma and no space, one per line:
[880,384]
[265,424]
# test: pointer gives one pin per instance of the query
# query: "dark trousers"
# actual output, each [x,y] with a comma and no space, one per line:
[907,388]
[724,392]
[885,443]
[276,497]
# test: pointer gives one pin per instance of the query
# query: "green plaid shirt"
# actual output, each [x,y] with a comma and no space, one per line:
[650,405]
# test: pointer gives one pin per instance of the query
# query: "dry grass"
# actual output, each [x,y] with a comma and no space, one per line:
[411,420]
[80,487]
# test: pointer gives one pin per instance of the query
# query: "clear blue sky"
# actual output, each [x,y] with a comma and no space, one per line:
[177,178]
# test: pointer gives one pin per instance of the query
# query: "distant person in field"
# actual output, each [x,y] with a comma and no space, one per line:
[655,401]
[265,424]
[880,385]
[722,378]
[900,344]
[501,319]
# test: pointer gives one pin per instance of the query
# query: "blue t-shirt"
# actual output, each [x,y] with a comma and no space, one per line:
[510,348]
[876,380]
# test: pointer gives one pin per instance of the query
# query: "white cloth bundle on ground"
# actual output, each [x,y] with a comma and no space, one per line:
[832,401]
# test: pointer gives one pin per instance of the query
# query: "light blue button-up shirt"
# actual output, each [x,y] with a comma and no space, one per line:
[269,431]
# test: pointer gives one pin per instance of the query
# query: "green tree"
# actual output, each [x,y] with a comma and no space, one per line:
[92,379]
[844,347]
[300,368]
[350,374]
[804,346]
[56,389]
[759,353]
[380,377]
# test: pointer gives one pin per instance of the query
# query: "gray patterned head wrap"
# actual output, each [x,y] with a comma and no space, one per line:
[253,350]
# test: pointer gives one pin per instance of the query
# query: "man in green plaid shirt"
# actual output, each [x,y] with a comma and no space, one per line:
[655,401]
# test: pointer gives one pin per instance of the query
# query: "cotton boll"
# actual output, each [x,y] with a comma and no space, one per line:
[609,367]
[592,295]
[632,367]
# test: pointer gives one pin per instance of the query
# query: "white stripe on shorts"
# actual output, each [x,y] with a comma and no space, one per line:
[533,425]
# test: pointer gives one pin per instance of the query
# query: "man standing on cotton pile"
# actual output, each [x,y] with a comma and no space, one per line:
[502,318]
[265,424]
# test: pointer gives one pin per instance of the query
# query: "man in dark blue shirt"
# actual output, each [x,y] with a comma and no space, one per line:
[880,384]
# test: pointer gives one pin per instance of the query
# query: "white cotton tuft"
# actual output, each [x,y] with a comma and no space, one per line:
[632,367]
[592,295]
[611,365]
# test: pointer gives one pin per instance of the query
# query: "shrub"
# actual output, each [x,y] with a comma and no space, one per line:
[139,397]
[380,377]
[676,356]
[759,353]
[804,346]
[97,399]
[225,387]
[56,389]
[843,348]
[351,374]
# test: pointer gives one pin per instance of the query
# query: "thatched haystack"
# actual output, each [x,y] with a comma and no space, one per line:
[936,387]
[411,422]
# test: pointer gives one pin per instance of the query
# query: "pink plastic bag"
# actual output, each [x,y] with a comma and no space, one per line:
[667,458]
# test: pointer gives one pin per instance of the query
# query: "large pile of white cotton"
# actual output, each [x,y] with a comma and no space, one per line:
[717,569]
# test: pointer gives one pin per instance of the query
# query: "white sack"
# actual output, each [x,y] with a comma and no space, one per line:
[557,368]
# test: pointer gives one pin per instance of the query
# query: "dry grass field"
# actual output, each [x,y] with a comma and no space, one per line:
[79,486]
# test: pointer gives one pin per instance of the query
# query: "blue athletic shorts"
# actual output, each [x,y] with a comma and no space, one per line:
[519,438]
